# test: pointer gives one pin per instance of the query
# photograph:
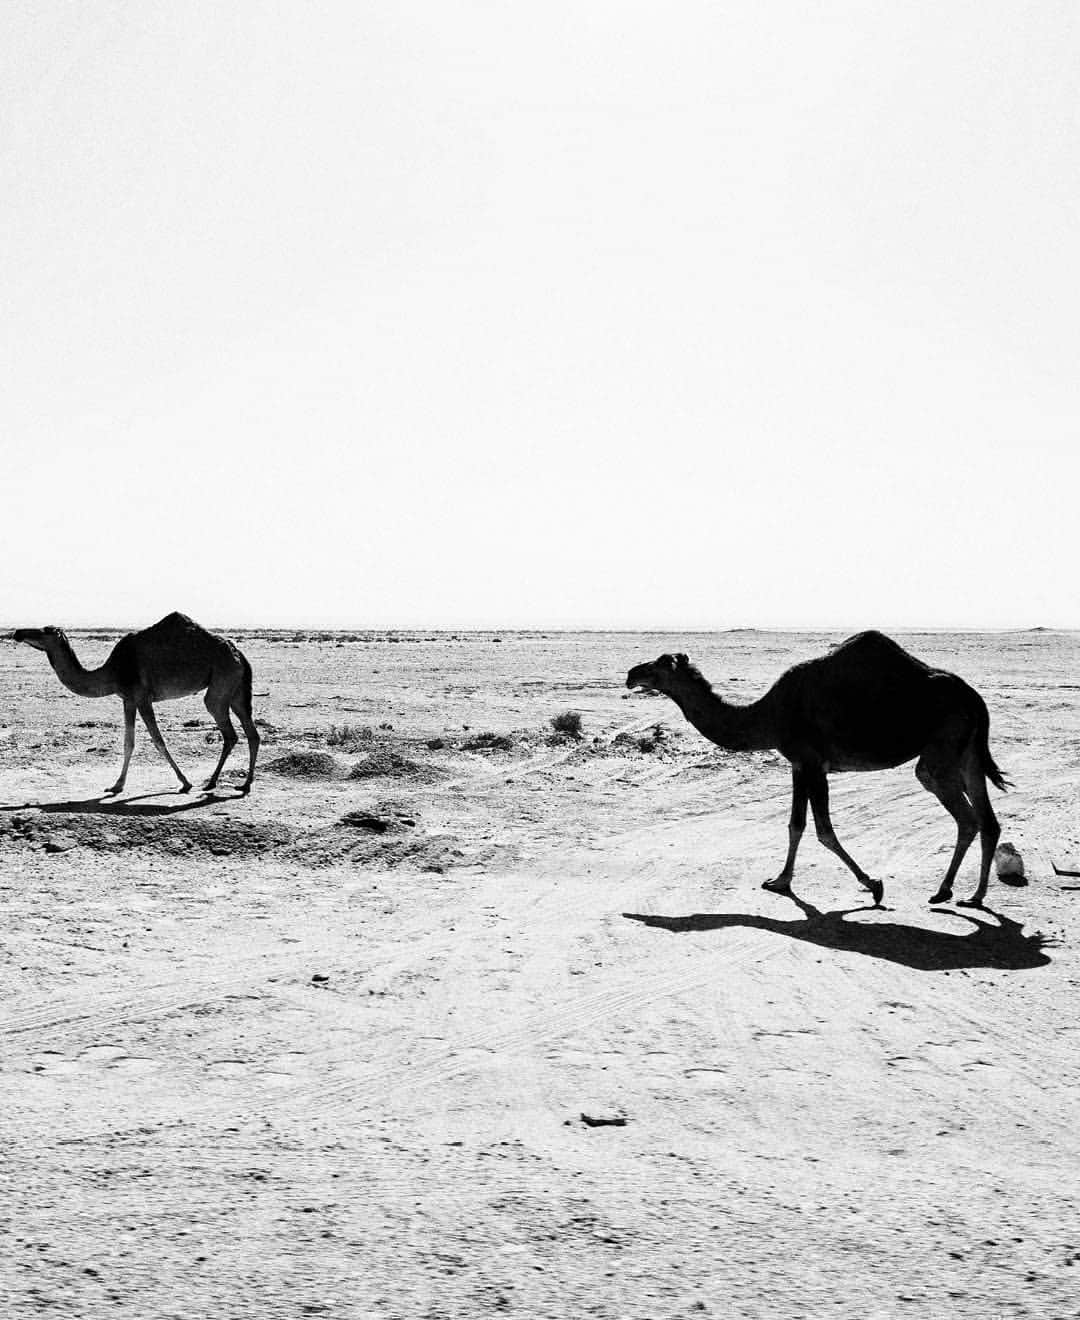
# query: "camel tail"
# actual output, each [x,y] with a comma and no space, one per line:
[993,773]
[990,768]
[247,682]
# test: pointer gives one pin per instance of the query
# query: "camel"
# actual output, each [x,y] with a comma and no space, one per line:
[866,705]
[173,658]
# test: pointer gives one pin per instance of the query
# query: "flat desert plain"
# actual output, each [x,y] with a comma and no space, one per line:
[456,1017]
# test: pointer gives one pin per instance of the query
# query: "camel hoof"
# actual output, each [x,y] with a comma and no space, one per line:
[184,788]
[942,896]
[877,891]
[777,886]
[969,902]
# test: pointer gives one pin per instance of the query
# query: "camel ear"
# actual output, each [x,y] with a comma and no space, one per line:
[681,658]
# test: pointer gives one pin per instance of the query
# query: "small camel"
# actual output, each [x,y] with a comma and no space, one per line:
[173,658]
[866,705]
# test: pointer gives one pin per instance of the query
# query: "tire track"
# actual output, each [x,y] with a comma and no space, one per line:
[104,1010]
[573,1015]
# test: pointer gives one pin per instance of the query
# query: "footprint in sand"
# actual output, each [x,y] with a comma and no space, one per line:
[135,1065]
[228,1067]
[95,1058]
[283,1070]
[287,1069]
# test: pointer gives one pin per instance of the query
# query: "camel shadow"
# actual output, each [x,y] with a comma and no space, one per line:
[134,806]
[1003,945]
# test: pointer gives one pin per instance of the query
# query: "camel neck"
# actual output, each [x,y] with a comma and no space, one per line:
[736,728]
[83,682]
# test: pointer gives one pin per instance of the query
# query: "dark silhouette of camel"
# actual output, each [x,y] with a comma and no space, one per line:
[867,705]
[1003,945]
[173,658]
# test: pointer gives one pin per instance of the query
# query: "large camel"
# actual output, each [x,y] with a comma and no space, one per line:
[867,705]
[173,658]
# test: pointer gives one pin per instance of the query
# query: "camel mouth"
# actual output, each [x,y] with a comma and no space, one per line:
[640,682]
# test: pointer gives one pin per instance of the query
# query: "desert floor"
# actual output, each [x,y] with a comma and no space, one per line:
[439,1024]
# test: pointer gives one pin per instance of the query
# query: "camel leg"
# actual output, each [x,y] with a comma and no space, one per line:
[799,798]
[242,710]
[146,710]
[129,746]
[989,829]
[219,709]
[947,787]
[818,786]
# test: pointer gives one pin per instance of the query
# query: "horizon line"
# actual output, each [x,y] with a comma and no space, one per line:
[653,629]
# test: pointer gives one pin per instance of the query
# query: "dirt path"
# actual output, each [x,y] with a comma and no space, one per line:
[262,1062]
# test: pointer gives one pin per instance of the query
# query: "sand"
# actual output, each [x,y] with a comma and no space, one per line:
[506,1025]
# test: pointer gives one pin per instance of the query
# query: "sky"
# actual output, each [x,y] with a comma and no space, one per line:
[515,314]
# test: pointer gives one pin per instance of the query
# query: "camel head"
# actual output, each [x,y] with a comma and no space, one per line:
[41,639]
[668,674]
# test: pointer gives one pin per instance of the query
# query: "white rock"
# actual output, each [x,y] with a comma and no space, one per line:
[1008,861]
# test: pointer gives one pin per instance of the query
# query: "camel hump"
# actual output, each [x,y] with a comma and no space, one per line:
[871,645]
[872,652]
[177,635]
[175,623]
[177,631]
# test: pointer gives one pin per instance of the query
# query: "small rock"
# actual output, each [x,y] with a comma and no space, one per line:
[57,843]
[364,820]
[1010,865]
[378,823]
[319,978]
[611,1120]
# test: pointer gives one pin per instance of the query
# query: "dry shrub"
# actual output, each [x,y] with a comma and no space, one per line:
[350,737]
[651,741]
[567,723]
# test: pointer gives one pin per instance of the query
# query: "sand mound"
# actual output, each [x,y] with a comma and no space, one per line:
[488,742]
[384,762]
[306,765]
[379,822]
[114,831]
[381,845]
[386,837]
